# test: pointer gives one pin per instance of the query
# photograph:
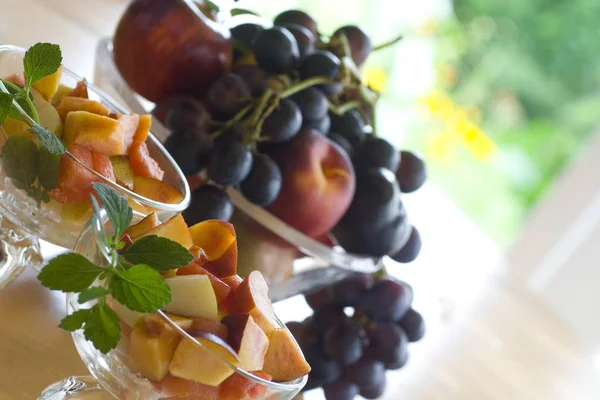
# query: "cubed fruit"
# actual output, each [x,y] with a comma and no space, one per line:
[203,364]
[220,288]
[75,180]
[80,90]
[69,104]
[14,127]
[233,282]
[141,162]
[174,229]
[136,206]
[238,387]
[184,389]
[156,323]
[202,325]
[47,114]
[246,337]
[217,239]
[75,212]
[156,190]
[19,79]
[123,172]
[151,351]
[96,132]
[252,297]
[284,360]
[129,123]
[149,222]
[48,85]
[103,166]
[126,315]
[192,296]
[62,92]
[143,128]
[199,254]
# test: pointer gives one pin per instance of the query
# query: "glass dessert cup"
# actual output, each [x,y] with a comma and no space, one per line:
[22,222]
[292,262]
[112,373]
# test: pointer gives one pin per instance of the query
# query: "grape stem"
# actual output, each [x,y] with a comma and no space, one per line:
[238,117]
[263,118]
[318,80]
[262,103]
[388,43]
[342,109]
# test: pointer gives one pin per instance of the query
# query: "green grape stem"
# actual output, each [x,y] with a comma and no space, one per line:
[317,80]
[263,118]
[341,109]
[388,43]
[238,117]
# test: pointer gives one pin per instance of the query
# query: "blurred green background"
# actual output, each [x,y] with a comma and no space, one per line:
[497,95]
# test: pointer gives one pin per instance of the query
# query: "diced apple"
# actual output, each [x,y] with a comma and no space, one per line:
[143,128]
[207,326]
[199,255]
[184,389]
[129,123]
[192,296]
[96,132]
[149,222]
[174,229]
[238,387]
[251,297]
[48,85]
[69,104]
[248,339]
[156,190]
[156,323]
[151,351]
[220,288]
[123,172]
[47,114]
[80,90]
[284,360]
[203,364]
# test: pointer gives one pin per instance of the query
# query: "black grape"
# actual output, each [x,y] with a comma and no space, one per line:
[342,142]
[317,299]
[349,291]
[324,64]
[321,125]
[190,149]
[376,152]
[328,315]
[305,39]
[243,36]
[360,44]
[387,342]
[411,249]
[208,202]
[230,163]
[412,172]
[387,300]
[276,50]
[413,324]
[340,390]
[298,17]
[235,133]
[343,342]
[323,370]
[284,123]
[186,115]
[263,184]
[312,103]
[374,390]
[256,78]
[298,330]
[350,125]
[228,95]
[364,372]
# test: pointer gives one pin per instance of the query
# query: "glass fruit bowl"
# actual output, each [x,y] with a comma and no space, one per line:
[23,222]
[112,373]
[292,262]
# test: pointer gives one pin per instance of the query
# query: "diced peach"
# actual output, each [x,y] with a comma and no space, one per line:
[238,387]
[284,360]
[149,222]
[174,229]
[225,265]
[129,123]
[246,337]
[251,297]
[141,162]
[62,92]
[199,255]
[220,288]
[208,326]
[156,190]
[48,85]
[232,281]
[74,180]
[156,324]
[136,206]
[218,240]
[126,330]
[195,181]
[80,90]
[96,132]
[19,79]
[143,128]
[69,104]
[185,389]
[103,166]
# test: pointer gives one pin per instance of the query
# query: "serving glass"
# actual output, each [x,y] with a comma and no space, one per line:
[23,222]
[314,265]
[111,373]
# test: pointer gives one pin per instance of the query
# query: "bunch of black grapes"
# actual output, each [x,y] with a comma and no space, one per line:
[349,352]
[286,78]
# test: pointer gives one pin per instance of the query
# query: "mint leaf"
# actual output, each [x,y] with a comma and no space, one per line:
[74,321]
[5,106]
[242,11]
[92,294]
[159,253]
[48,167]
[48,139]
[18,96]
[69,273]
[19,161]
[103,328]
[116,206]
[40,61]
[141,288]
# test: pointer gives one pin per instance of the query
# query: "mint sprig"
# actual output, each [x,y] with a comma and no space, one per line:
[40,61]
[127,278]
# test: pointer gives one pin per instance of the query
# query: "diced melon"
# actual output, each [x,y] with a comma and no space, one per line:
[74,180]
[68,104]
[156,190]
[62,92]
[129,123]
[19,79]
[96,132]
[143,129]
[136,206]
[49,85]
[103,166]
[141,162]
[123,172]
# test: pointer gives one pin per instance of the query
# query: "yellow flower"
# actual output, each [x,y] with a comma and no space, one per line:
[376,78]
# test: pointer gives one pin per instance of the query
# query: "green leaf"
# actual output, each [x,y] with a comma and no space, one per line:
[69,273]
[103,328]
[18,92]
[48,168]
[40,61]
[5,106]
[243,11]
[159,253]
[212,5]
[19,161]
[141,288]
[116,206]
[92,294]
[74,321]
[48,139]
